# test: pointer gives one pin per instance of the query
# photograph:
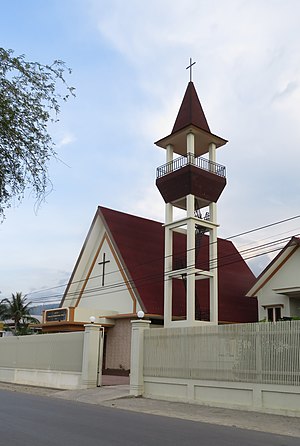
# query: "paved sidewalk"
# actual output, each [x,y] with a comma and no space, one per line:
[99,395]
[117,396]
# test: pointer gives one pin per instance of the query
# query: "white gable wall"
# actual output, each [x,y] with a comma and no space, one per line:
[287,276]
[86,289]
[114,295]
[87,255]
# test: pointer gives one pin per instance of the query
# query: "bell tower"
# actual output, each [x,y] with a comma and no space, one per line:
[190,180]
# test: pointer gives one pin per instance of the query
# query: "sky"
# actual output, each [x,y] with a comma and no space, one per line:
[128,62]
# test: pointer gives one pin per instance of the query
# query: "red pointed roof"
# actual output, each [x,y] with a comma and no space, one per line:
[190,112]
[191,118]
[140,245]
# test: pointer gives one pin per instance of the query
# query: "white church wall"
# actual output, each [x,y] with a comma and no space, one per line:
[86,257]
[114,294]
[96,285]
[83,314]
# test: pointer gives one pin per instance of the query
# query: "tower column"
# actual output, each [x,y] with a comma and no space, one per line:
[190,143]
[212,152]
[213,265]
[169,153]
[169,206]
[168,284]
[190,257]
[190,242]
[213,251]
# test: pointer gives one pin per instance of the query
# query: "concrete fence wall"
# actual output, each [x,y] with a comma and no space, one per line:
[251,366]
[61,360]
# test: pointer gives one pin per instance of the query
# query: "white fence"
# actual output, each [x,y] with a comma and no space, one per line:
[61,360]
[249,366]
[60,352]
[259,353]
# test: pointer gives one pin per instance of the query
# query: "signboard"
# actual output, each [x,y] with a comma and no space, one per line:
[58,315]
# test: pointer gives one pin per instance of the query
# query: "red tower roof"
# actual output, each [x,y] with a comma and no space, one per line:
[191,118]
[190,112]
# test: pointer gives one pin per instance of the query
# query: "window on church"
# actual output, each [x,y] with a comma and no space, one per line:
[274,314]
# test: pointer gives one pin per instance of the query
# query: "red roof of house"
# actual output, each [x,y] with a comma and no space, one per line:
[140,244]
[190,112]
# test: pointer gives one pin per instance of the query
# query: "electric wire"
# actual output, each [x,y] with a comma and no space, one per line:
[139,280]
[182,253]
[223,261]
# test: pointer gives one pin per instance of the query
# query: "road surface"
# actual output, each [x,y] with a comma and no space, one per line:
[30,420]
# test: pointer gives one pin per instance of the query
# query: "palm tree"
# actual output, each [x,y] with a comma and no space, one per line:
[17,310]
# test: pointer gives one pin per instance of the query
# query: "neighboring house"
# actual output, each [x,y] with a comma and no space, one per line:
[277,288]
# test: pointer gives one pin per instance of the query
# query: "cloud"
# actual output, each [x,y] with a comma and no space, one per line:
[148,204]
[65,140]
[288,89]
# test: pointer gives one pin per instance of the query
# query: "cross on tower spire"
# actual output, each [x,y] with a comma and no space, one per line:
[190,68]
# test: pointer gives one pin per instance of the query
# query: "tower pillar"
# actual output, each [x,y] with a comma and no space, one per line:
[213,265]
[168,262]
[213,249]
[190,143]
[190,265]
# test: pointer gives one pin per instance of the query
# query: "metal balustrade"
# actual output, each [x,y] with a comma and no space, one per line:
[191,159]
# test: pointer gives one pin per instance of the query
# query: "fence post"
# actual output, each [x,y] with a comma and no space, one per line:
[137,356]
[90,356]
[258,353]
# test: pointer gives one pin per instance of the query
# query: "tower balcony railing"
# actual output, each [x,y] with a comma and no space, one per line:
[201,163]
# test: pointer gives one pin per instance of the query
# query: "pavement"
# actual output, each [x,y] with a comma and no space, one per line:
[115,394]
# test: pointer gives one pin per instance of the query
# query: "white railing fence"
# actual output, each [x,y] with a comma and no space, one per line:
[266,353]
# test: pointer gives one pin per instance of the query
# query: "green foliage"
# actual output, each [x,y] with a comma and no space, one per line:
[17,310]
[29,100]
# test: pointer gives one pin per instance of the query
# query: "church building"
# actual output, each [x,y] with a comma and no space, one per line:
[177,272]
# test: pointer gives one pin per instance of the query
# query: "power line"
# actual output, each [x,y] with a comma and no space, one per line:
[183,252]
[263,227]
[122,286]
[147,278]
[223,261]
